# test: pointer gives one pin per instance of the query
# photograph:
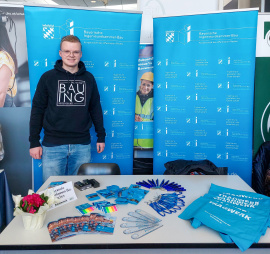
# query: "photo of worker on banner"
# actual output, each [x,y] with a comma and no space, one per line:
[144,98]
[144,107]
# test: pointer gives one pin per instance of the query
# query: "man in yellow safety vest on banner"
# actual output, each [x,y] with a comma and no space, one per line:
[144,111]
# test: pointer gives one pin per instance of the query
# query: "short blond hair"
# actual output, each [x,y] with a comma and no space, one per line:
[70,38]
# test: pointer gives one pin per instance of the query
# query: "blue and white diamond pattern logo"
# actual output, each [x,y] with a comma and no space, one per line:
[48,31]
[170,36]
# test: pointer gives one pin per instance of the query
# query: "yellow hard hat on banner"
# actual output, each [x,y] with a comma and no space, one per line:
[148,76]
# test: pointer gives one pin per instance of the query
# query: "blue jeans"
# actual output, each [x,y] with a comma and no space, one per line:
[64,159]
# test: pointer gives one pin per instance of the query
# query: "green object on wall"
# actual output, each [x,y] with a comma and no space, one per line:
[262,102]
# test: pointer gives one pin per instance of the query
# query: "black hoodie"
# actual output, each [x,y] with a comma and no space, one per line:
[65,105]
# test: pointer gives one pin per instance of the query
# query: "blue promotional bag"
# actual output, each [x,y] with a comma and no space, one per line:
[240,217]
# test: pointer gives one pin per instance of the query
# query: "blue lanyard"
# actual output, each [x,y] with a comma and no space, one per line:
[168,203]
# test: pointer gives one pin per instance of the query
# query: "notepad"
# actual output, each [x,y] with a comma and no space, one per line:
[85,208]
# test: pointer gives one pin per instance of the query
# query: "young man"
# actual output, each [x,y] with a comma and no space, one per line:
[66,103]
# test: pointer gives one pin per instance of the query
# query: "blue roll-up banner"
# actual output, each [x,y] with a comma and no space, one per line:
[144,111]
[204,84]
[110,46]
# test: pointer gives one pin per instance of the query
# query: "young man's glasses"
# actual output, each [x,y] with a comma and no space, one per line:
[67,52]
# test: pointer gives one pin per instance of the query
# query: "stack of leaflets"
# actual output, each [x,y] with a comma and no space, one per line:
[94,223]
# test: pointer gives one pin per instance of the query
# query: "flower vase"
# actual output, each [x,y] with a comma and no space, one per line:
[33,221]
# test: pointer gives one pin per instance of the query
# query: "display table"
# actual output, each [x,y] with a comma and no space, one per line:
[174,234]
[7,206]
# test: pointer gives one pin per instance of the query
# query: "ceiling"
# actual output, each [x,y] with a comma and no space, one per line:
[124,4]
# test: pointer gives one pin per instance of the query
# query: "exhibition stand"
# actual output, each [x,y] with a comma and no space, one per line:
[204,90]
[174,233]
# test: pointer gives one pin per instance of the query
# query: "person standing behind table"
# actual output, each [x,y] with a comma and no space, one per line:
[8,69]
[65,104]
